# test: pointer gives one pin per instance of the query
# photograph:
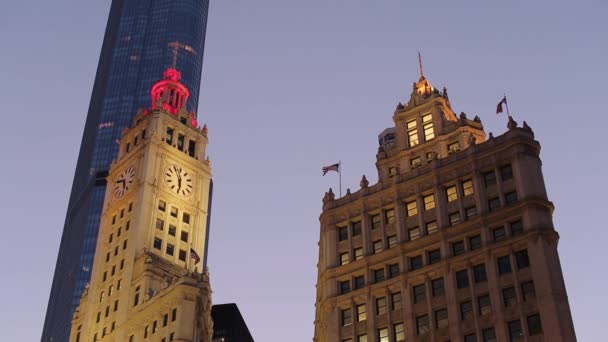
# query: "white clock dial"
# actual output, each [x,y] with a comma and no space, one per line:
[123,183]
[179,180]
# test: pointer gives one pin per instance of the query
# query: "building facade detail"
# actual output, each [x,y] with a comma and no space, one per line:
[455,242]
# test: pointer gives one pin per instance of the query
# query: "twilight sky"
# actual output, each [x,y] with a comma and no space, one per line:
[290,86]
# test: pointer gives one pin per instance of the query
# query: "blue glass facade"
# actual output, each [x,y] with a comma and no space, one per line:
[139,44]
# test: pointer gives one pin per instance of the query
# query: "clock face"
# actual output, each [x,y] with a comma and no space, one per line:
[178,180]
[124,181]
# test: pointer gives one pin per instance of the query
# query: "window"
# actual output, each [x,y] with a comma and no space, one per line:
[415,262]
[527,290]
[379,275]
[437,287]
[184,236]
[419,293]
[470,212]
[356,228]
[470,338]
[454,218]
[358,253]
[462,279]
[359,282]
[458,248]
[191,148]
[504,265]
[186,218]
[493,204]
[412,209]
[174,212]
[136,297]
[467,187]
[479,273]
[475,242]
[389,216]
[429,202]
[173,315]
[160,224]
[434,256]
[395,300]
[441,318]
[431,227]
[413,233]
[342,233]
[346,317]
[422,324]
[399,331]
[362,338]
[534,325]
[381,306]
[393,270]
[392,171]
[506,172]
[170,249]
[361,313]
[378,246]
[508,297]
[427,126]
[499,234]
[488,335]
[517,228]
[111,238]
[515,332]
[510,197]
[165,320]
[344,258]
[154,327]
[376,221]
[485,307]
[466,310]
[182,255]
[169,136]
[451,193]
[344,286]
[522,259]
[412,133]
[158,243]
[172,230]
[180,142]
[415,162]
[383,335]
[453,147]
[391,241]
[489,178]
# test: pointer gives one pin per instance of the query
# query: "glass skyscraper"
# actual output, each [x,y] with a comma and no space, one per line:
[140,42]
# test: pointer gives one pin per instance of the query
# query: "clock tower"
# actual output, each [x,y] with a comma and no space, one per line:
[149,279]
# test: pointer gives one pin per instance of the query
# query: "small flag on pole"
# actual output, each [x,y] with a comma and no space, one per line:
[334,167]
[499,106]
[194,256]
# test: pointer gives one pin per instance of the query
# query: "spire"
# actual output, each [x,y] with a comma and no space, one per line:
[170,94]
[423,87]
[420,65]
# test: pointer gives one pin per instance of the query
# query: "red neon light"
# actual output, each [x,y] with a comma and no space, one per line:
[170,93]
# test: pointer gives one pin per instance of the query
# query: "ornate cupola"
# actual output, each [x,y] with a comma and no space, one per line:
[169,93]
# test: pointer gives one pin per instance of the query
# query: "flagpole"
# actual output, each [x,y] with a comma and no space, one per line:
[507,105]
[340,175]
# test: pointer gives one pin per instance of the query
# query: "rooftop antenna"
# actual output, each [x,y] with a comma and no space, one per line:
[420,64]
[175,45]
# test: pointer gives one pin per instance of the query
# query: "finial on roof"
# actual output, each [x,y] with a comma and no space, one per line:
[420,65]
[175,45]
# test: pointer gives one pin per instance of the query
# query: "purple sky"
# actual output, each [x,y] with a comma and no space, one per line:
[290,86]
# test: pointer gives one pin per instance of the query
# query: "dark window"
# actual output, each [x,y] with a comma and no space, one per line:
[479,273]
[466,310]
[493,204]
[422,324]
[441,318]
[165,320]
[180,142]
[395,300]
[347,317]
[517,228]
[169,136]
[515,332]
[415,263]
[186,218]
[470,338]
[182,255]
[504,265]
[389,216]
[191,148]
[419,293]
[413,233]
[458,248]
[527,290]
[508,297]
[379,275]
[434,256]
[376,221]
[173,211]
[534,325]
[173,315]
[431,227]
[499,234]
[162,206]
[462,279]
[356,228]
[510,197]
[437,287]
[172,230]
[184,236]
[381,306]
[393,270]
[359,282]
[377,246]
[471,212]
[170,249]
[454,218]
[158,243]
[392,241]
[489,178]
[160,224]
[344,286]
[489,335]
[342,233]
[484,305]
[522,259]
[506,172]
[475,242]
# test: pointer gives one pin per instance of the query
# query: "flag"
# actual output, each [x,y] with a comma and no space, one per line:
[334,167]
[194,256]
[499,106]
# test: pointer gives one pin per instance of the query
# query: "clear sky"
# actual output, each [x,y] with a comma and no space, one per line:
[290,86]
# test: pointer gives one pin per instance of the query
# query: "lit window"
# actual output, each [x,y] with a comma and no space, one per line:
[383,335]
[470,212]
[467,187]
[429,202]
[392,171]
[451,193]
[431,227]
[362,338]
[413,233]
[412,209]
[427,125]
[378,246]
[399,331]
[454,218]
[344,258]
[389,216]
[361,313]
[392,241]
[454,147]
[376,221]
[396,300]
[415,162]
[381,306]
[412,133]
[358,253]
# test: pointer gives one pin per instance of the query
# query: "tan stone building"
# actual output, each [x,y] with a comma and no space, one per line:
[148,282]
[454,243]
